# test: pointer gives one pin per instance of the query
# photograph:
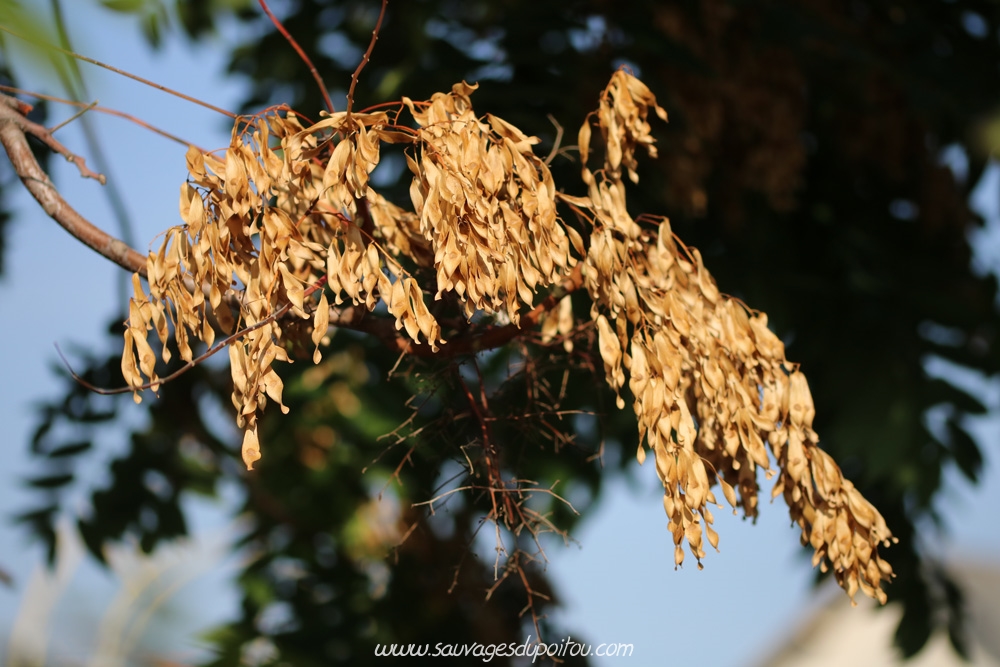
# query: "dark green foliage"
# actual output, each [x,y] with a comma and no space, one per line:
[8,179]
[317,555]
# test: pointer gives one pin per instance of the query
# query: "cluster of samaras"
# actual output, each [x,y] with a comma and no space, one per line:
[287,216]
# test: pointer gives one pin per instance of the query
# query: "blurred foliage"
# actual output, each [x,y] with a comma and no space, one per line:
[805,158]
[8,179]
[13,16]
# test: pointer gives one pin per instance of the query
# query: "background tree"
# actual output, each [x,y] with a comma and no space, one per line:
[803,159]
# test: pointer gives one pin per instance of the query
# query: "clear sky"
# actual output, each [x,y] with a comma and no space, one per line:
[55,290]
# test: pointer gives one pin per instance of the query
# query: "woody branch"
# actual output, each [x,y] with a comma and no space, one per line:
[14,128]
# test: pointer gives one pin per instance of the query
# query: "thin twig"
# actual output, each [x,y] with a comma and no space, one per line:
[399,468]
[475,408]
[531,593]
[430,503]
[104,110]
[557,142]
[122,72]
[302,54]
[197,360]
[493,473]
[54,128]
[180,371]
[365,58]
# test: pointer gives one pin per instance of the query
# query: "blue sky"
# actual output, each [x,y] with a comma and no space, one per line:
[55,290]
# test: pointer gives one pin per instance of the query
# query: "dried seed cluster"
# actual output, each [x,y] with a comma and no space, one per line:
[287,215]
[265,226]
[285,211]
[489,204]
[712,388]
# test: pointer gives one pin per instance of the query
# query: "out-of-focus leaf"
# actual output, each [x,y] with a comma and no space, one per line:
[151,28]
[939,391]
[93,538]
[71,449]
[50,482]
[964,449]
[42,524]
[125,6]
[958,632]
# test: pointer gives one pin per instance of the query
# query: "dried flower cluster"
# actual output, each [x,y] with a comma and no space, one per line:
[288,215]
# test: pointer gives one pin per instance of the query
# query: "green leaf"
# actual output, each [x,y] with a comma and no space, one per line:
[957,631]
[42,523]
[124,6]
[914,627]
[50,482]
[93,538]
[964,449]
[35,516]
[151,29]
[940,391]
[71,449]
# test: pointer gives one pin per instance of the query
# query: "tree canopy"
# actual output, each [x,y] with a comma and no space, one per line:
[803,158]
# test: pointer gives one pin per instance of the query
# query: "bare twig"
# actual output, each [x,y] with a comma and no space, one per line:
[555,144]
[58,126]
[514,565]
[399,468]
[302,54]
[531,593]
[221,345]
[149,83]
[366,57]
[442,496]
[100,109]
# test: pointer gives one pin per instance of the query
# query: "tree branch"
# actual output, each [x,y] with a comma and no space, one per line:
[13,127]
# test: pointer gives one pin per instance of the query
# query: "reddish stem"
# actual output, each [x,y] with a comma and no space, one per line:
[122,72]
[104,110]
[366,57]
[302,54]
